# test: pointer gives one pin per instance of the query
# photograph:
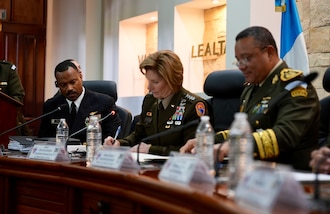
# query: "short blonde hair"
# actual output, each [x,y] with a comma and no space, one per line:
[168,65]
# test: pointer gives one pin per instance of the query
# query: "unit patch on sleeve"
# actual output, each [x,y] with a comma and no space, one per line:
[200,109]
[299,92]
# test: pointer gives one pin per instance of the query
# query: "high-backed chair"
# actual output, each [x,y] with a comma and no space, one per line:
[110,88]
[325,112]
[224,87]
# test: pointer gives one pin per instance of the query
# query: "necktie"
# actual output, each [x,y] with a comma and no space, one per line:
[73,111]
[160,106]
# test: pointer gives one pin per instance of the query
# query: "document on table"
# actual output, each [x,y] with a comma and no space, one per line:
[143,157]
[310,177]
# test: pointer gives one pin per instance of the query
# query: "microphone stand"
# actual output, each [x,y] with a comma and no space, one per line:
[316,203]
[30,121]
[85,128]
[163,133]
[217,162]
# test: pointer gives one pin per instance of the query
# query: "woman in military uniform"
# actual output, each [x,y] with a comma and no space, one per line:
[168,106]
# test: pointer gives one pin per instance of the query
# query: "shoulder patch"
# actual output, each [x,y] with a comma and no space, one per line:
[288,74]
[299,92]
[200,109]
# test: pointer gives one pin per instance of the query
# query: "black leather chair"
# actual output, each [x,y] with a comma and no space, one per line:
[110,88]
[224,87]
[325,111]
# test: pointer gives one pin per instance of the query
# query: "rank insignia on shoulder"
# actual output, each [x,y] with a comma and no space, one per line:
[200,109]
[288,74]
[299,92]
[13,67]
[275,79]
[190,97]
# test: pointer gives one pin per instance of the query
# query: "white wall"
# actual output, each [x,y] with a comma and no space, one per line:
[132,44]
[242,14]
[189,30]
[66,37]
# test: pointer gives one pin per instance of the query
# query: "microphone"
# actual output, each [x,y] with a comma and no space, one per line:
[34,119]
[85,127]
[164,133]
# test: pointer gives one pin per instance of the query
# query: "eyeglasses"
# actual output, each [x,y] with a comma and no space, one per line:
[246,60]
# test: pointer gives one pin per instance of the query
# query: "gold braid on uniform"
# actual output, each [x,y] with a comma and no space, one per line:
[267,144]
[221,136]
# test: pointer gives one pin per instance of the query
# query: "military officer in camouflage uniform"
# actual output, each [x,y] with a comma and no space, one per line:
[168,106]
[285,122]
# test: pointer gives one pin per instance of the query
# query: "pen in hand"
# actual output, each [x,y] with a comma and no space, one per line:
[117,133]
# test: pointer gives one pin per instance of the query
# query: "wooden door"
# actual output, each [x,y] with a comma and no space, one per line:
[23,42]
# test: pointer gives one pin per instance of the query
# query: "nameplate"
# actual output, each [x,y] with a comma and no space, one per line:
[44,152]
[117,158]
[259,188]
[179,169]
[268,186]
[188,170]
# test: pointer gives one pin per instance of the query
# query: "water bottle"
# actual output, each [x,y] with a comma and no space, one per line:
[94,138]
[62,133]
[240,151]
[205,142]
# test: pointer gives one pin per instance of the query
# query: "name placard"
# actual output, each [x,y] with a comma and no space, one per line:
[259,188]
[188,170]
[179,169]
[117,158]
[46,152]
[267,186]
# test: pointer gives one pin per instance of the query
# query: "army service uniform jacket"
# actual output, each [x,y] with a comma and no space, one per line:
[10,82]
[285,123]
[93,103]
[183,108]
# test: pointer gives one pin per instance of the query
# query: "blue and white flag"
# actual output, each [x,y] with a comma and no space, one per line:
[293,46]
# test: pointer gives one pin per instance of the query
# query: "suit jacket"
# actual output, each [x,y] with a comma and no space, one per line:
[92,103]
[285,126]
[183,108]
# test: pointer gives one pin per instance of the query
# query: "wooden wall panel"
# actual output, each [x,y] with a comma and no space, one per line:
[28,12]
[23,42]
[25,46]
[6,5]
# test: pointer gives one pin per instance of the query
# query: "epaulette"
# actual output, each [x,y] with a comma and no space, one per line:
[13,67]
[190,97]
[288,74]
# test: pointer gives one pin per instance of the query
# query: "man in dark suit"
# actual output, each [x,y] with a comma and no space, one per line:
[69,81]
